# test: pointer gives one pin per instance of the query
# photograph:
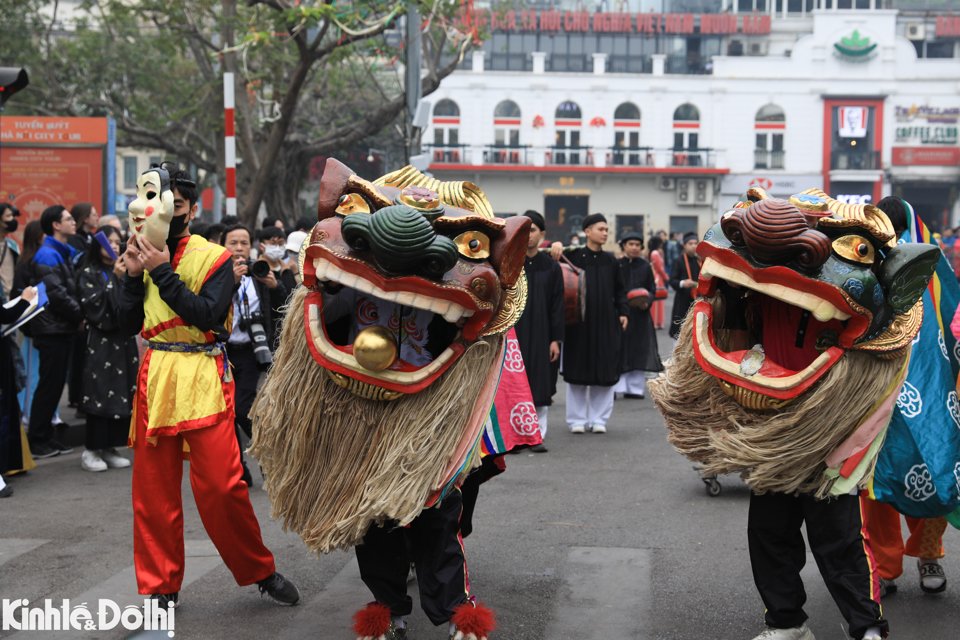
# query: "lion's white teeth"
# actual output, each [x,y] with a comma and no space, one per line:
[451,311]
[821,309]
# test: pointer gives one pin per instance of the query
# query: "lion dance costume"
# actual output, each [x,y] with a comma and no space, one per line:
[387,367]
[787,370]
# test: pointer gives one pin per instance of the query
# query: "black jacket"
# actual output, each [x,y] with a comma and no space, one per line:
[270,302]
[63,314]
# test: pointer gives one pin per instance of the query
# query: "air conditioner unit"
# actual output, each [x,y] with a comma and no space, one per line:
[916,31]
[702,194]
[685,191]
[667,184]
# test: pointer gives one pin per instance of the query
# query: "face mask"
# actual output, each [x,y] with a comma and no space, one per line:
[11,226]
[274,253]
[152,210]
[177,225]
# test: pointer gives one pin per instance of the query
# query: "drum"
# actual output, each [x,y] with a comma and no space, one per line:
[639,298]
[661,293]
[574,293]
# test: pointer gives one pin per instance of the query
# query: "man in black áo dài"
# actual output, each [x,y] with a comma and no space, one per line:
[591,351]
[683,278]
[639,348]
[540,328]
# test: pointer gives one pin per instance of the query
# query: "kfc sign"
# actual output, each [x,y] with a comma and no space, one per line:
[854,199]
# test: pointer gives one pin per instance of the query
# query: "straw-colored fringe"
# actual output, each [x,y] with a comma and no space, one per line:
[334,463]
[781,451]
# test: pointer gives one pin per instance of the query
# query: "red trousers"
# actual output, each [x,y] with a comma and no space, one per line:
[886,541]
[222,500]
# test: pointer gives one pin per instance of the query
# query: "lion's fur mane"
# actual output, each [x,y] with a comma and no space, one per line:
[783,450]
[333,462]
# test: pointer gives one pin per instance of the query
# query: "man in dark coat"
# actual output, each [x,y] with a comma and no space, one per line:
[683,278]
[591,350]
[640,353]
[540,328]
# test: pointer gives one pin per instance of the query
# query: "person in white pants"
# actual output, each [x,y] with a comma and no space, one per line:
[589,407]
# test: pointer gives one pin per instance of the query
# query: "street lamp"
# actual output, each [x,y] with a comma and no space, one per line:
[385,154]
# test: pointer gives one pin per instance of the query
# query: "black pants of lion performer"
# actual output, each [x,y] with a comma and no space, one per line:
[432,542]
[838,540]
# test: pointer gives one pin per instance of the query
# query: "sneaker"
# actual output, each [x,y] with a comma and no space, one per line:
[56,420]
[41,450]
[163,599]
[887,587]
[113,459]
[91,461]
[577,428]
[6,492]
[280,589]
[62,448]
[598,428]
[796,633]
[932,577]
[395,633]
[539,448]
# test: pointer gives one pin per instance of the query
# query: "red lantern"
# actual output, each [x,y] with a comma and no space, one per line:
[538,122]
[598,122]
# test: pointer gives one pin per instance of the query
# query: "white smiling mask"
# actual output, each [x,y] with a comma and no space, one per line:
[151,212]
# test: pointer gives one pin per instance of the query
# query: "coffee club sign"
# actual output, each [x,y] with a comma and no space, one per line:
[940,126]
[555,21]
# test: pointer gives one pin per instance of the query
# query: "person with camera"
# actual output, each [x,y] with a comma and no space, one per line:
[257,294]
[273,249]
[178,297]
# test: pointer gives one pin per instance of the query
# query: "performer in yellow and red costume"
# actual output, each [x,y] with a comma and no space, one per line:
[178,295]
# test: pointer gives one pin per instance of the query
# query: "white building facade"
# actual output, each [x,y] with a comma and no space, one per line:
[838,99]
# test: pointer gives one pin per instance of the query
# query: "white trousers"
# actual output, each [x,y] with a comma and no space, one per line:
[596,410]
[632,382]
[542,419]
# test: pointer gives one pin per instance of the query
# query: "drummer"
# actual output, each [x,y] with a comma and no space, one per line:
[591,350]
[639,347]
[540,328]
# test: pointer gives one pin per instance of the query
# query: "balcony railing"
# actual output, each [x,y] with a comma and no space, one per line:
[855,160]
[578,156]
[500,154]
[692,158]
[763,159]
[630,156]
[568,155]
[448,154]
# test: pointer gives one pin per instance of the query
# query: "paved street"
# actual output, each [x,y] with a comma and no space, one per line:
[604,537]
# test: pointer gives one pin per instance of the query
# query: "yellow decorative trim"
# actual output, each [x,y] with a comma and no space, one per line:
[463,195]
[752,399]
[368,189]
[363,389]
[898,336]
[865,216]
[511,310]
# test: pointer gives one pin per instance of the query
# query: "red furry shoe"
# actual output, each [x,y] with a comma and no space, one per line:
[473,622]
[373,623]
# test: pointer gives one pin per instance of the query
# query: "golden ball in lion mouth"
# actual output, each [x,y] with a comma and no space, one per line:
[375,348]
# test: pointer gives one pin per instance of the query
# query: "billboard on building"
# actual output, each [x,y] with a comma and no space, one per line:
[47,161]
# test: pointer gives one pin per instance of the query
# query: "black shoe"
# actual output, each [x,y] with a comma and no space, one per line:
[280,589]
[6,492]
[60,447]
[247,477]
[539,448]
[41,450]
[164,598]
[633,396]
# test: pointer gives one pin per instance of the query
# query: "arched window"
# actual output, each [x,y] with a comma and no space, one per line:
[446,132]
[626,135]
[446,107]
[507,109]
[567,111]
[769,128]
[627,111]
[506,133]
[686,137]
[567,136]
[686,113]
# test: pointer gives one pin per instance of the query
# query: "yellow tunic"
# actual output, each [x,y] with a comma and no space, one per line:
[178,391]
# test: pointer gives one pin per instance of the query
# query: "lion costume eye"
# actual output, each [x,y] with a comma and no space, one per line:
[473,244]
[854,248]
[352,203]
